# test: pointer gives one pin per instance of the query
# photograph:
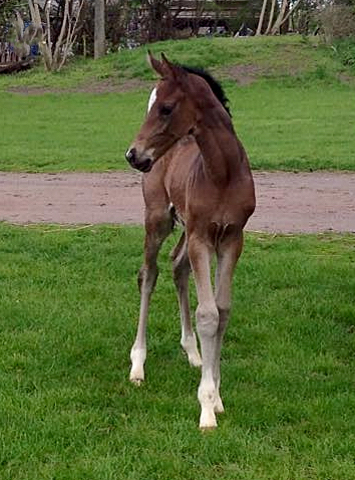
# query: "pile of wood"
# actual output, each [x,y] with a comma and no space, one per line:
[10,62]
[16,66]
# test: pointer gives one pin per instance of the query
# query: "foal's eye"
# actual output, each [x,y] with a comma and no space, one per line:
[166,110]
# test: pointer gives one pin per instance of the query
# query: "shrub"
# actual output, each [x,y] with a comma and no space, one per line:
[345,49]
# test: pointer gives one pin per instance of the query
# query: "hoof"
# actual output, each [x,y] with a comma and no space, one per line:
[207,429]
[218,407]
[195,360]
[136,381]
[136,376]
[208,421]
[189,344]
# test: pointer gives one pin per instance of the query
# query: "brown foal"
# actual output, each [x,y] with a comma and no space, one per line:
[196,170]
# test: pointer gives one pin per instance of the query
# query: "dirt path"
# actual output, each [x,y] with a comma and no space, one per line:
[287,202]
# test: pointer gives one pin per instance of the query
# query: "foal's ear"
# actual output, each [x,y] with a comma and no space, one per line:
[165,68]
[166,62]
[175,71]
[156,64]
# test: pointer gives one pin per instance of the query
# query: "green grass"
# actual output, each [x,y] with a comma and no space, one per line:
[68,316]
[68,131]
[297,115]
[282,127]
[276,55]
[296,128]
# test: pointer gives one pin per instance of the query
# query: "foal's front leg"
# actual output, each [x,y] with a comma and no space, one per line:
[207,325]
[158,228]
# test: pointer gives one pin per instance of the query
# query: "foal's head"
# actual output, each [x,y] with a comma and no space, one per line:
[173,112]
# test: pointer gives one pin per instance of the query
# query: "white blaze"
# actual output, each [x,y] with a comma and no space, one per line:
[152,98]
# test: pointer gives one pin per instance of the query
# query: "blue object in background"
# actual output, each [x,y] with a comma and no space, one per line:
[34,50]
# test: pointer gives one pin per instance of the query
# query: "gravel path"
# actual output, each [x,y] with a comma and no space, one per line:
[286,202]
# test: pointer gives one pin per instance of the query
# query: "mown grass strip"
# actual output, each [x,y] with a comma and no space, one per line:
[283,126]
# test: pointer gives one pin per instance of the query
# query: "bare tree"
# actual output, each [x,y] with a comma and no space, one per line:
[99,39]
[275,28]
[271,17]
[7,8]
[56,25]
[261,18]
[158,18]
[337,21]
[287,8]
[285,12]
[23,37]
[199,10]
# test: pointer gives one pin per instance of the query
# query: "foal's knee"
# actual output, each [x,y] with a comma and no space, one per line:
[223,317]
[148,276]
[207,320]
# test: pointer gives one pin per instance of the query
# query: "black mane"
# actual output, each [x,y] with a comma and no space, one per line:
[215,86]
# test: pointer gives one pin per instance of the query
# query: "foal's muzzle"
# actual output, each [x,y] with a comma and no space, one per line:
[142,163]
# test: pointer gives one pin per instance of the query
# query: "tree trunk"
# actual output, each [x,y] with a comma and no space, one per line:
[99,37]
[295,5]
[280,17]
[261,19]
[271,17]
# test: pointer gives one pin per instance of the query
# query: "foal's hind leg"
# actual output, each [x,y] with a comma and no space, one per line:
[181,271]
[227,256]
[158,225]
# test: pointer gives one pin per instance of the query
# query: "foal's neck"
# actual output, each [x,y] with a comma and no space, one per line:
[222,152]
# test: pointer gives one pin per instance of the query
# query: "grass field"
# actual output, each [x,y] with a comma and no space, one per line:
[68,314]
[296,114]
[304,129]
[276,55]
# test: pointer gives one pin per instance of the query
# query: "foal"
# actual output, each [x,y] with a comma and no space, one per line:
[195,170]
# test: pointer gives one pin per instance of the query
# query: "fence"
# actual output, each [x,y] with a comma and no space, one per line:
[7,54]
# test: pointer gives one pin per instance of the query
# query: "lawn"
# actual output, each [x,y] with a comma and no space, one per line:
[282,127]
[296,114]
[68,315]
[68,132]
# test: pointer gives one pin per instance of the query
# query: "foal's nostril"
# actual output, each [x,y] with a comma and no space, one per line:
[139,161]
[131,155]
